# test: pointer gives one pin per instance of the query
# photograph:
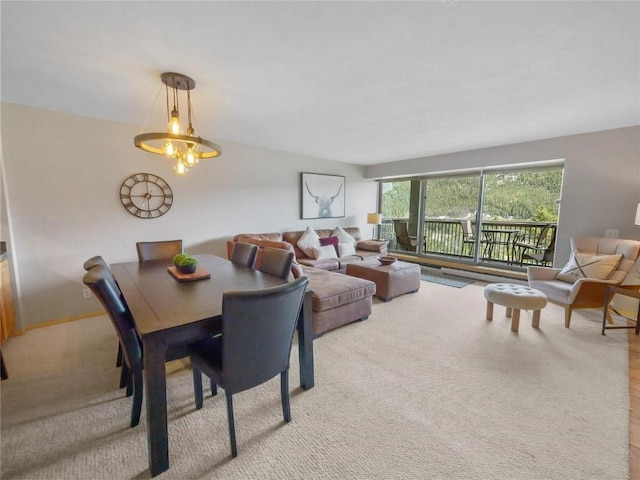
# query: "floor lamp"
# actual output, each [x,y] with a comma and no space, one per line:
[374,219]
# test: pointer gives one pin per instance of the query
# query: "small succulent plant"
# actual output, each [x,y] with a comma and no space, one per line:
[183,259]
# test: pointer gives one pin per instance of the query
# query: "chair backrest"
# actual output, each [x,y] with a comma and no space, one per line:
[101,283]
[158,250]
[98,261]
[257,332]
[94,262]
[401,228]
[244,254]
[544,234]
[630,249]
[467,229]
[276,262]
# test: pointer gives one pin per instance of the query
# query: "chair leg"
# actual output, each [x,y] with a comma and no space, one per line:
[567,316]
[124,377]
[136,405]
[232,427]
[284,393]
[119,357]
[197,386]
[214,389]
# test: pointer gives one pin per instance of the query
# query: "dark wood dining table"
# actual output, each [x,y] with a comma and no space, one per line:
[172,314]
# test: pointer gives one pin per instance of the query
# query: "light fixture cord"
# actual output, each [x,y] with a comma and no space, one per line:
[166,89]
[189,107]
[149,112]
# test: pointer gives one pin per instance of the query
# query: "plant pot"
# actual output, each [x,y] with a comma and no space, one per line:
[186,269]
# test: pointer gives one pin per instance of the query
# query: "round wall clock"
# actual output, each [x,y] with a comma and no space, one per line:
[146,195]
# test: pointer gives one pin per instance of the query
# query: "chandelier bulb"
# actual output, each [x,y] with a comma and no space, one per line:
[169,149]
[181,168]
[174,123]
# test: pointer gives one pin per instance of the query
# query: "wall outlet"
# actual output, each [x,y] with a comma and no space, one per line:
[612,233]
[86,293]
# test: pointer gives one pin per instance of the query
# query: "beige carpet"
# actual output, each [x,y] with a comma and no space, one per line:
[426,388]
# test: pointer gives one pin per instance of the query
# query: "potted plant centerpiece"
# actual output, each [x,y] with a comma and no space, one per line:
[185,263]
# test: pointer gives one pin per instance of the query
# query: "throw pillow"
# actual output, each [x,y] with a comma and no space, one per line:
[343,236]
[330,241]
[346,249]
[586,265]
[324,253]
[308,241]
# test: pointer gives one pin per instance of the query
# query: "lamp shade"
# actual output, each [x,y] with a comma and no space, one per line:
[638,215]
[376,218]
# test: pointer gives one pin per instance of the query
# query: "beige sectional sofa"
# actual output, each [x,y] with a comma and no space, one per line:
[337,299]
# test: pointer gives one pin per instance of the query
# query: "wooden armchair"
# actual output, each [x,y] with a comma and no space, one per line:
[585,292]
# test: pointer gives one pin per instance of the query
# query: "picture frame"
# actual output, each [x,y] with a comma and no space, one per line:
[322,196]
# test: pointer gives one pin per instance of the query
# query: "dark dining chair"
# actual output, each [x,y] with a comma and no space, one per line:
[255,345]
[88,265]
[101,282]
[103,286]
[158,250]
[276,262]
[244,254]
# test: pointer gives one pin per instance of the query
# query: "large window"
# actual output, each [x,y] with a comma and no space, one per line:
[486,216]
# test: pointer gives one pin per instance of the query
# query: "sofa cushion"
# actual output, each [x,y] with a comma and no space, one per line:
[245,237]
[331,291]
[326,264]
[308,241]
[586,265]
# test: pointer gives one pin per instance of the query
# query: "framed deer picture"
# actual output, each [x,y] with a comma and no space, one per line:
[322,195]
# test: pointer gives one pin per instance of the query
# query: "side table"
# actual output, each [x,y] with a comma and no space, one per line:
[628,291]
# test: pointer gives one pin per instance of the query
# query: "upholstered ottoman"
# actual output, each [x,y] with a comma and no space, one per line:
[515,298]
[391,280]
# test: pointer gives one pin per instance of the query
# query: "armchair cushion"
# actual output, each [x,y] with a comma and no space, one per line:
[585,265]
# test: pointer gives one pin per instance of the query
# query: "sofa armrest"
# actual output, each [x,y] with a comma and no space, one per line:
[379,246]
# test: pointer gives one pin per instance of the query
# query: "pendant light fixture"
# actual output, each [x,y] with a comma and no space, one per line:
[185,147]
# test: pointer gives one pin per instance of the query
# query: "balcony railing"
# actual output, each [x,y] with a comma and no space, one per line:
[499,239]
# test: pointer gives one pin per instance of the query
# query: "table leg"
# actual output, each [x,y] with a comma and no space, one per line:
[156,393]
[305,342]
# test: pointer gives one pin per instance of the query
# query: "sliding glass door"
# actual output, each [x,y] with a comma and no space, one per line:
[490,216]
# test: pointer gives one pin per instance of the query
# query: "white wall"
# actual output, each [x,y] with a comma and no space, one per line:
[63,177]
[601,183]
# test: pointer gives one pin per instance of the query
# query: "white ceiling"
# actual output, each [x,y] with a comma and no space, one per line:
[360,82]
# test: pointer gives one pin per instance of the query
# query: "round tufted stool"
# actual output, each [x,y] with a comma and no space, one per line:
[515,298]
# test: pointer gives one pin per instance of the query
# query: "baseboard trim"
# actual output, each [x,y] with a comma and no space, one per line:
[58,321]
